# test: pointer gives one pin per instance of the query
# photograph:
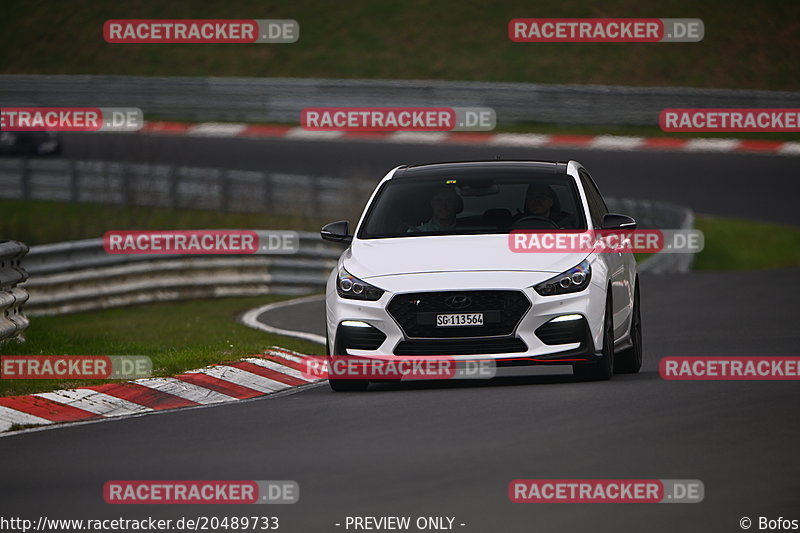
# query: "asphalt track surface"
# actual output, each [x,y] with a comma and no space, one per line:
[750,186]
[451,449]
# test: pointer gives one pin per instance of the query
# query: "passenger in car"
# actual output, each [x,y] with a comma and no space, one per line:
[541,201]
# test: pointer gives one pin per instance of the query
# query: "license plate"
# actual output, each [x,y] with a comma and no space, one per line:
[459,319]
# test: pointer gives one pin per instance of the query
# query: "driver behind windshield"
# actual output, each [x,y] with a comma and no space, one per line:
[541,201]
[446,204]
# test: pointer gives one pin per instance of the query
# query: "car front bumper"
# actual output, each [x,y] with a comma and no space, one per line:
[584,309]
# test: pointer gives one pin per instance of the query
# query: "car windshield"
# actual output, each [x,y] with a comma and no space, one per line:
[449,205]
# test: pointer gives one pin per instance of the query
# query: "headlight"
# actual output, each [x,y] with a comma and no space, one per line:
[573,280]
[349,286]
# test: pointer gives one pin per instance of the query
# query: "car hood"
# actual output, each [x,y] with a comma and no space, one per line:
[375,258]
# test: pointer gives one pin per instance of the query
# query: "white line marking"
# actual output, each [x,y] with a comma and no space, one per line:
[789,148]
[520,139]
[711,145]
[276,351]
[311,135]
[601,142]
[216,129]
[425,137]
[616,142]
[95,402]
[9,417]
[249,319]
[185,390]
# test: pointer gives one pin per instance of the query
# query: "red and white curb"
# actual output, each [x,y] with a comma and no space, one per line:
[530,140]
[274,371]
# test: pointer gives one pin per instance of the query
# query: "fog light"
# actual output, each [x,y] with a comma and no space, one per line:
[358,335]
[566,318]
[355,324]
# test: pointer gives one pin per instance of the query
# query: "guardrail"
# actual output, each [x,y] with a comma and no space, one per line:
[174,186]
[282,99]
[79,275]
[178,187]
[13,321]
[658,215]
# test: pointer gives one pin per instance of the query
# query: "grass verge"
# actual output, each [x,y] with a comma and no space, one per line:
[41,221]
[746,45]
[734,244]
[177,336]
[730,244]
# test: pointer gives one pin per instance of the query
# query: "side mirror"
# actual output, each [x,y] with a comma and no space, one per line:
[617,221]
[337,232]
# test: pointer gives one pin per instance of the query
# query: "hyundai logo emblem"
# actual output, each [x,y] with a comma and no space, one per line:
[457,301]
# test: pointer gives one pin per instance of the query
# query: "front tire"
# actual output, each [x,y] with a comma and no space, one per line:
[603,369]
[629,361]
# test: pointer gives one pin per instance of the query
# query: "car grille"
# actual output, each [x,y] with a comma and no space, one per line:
[460,347]
[416,312]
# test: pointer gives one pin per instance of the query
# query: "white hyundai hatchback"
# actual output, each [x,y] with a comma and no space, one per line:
[429,271]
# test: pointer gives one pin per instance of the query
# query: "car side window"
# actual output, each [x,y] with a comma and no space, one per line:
[597,206]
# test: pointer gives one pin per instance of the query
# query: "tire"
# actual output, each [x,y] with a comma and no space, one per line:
[629,361]
[344,385]
[603,369]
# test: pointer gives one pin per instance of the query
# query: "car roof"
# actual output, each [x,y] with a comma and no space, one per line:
[466,168]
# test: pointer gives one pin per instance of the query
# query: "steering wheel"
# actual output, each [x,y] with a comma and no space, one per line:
[537,218]
[411,228]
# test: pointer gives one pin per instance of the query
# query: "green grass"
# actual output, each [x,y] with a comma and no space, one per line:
[729,243]
[733,244]
[747,44]
[180,336]
[177,336]
[40,221]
